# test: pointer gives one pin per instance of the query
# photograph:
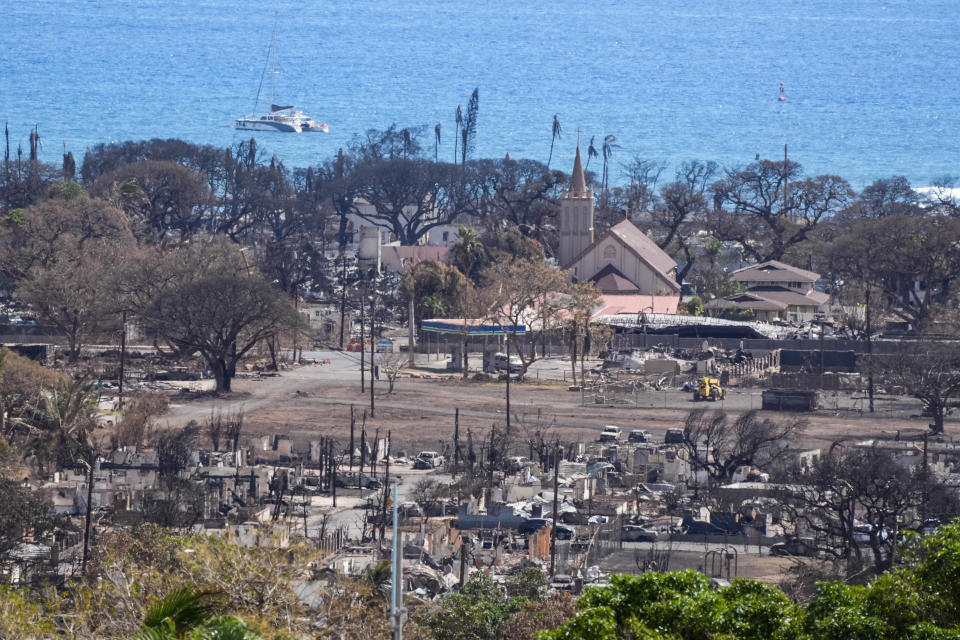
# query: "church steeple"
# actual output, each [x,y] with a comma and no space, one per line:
[576,216]
[578,183]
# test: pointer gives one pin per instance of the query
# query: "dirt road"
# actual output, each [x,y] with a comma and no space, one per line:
[313,400]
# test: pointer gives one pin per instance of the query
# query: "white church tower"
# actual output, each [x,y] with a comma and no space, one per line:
[576,216]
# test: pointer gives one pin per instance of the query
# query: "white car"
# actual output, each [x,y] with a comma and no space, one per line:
[611,433]
[428,460]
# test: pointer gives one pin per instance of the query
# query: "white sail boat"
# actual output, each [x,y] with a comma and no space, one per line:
[285,119]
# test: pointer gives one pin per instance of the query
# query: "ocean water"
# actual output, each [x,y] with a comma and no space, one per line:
[872,85]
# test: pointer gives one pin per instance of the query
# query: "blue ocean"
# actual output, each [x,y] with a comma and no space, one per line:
[872,87]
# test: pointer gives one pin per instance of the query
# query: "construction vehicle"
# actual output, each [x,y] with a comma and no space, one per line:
[708,389]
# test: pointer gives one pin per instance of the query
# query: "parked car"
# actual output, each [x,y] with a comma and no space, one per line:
[385,345]
[561,583]
[639,435]
[930,525]
[565,532]
[532,524]
[673,436]
[862,532]
[799,548]
[611,433]
[500,363]
[633,533]
[428,460]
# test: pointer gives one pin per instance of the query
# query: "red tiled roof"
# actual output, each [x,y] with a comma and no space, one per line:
[636,303]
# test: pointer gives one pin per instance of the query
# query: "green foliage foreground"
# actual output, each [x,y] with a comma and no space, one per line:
[919,600]
[153,585]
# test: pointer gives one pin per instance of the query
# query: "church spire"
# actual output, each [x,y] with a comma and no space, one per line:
[578,184]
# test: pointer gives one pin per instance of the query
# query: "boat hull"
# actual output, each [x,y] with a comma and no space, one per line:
[257,124]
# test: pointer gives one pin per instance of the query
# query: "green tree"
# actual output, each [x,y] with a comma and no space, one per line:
[529,583]
[474,613]
[210,301]
[680,605]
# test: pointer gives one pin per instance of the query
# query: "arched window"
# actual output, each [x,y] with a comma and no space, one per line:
[446,236]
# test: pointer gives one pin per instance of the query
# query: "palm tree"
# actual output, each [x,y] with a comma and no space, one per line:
[467,251]
[609,144]
[591,152]
[556,134]
[378,575]
[64,422]
[189,614]
[458,117]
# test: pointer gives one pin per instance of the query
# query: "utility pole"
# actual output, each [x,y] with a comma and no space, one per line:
[456,441]
[386,483]
[353,424]
[397,612]
[373,354]
[362,322]
[823,327]
[332,464]
[86,524]
[343,294]
[508,385]
[363,449]
[123,353]
[411,337]
[553,528]
[869,331]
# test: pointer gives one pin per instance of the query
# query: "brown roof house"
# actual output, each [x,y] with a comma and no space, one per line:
[774,291]
[623,263]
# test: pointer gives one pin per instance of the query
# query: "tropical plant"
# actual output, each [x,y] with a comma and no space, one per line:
[189,614]
[468,251]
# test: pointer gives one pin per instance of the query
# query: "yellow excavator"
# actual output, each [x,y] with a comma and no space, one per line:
[708,389]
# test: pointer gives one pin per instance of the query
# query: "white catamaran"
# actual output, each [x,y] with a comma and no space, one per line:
[286,119]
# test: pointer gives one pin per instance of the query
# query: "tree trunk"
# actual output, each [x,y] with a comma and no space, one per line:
[573,356]
[222,374]
[411,341]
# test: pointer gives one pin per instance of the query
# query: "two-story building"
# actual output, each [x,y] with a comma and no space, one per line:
[774,291]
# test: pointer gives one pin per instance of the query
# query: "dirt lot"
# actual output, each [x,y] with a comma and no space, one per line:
[309,401]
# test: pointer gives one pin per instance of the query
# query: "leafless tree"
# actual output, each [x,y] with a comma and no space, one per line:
[428,493]
[929,371]
[719,445]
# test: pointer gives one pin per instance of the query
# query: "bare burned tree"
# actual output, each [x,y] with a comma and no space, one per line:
[930,372]
[861,499]
[428,493]
[719,445]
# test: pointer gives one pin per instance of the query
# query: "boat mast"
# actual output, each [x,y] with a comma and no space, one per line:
[271,64]
[274,44]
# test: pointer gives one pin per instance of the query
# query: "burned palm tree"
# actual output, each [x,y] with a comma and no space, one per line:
[557,129]
[591,153]
[469,128]
[609,144]
[458,118]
